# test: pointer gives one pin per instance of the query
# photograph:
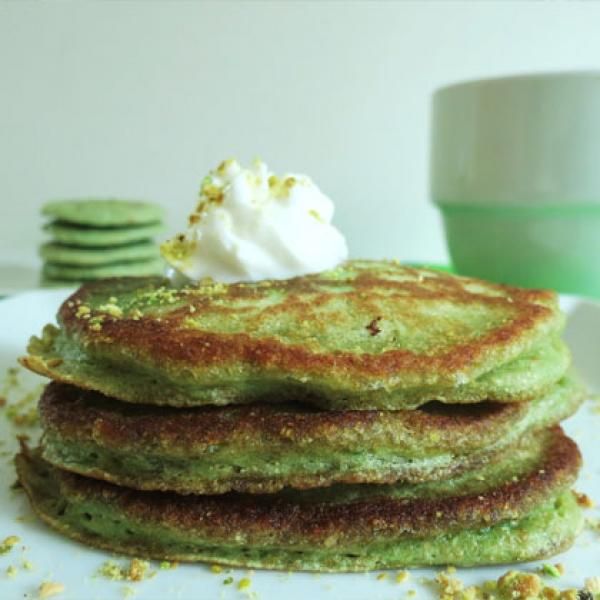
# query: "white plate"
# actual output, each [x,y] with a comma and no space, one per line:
[58,559]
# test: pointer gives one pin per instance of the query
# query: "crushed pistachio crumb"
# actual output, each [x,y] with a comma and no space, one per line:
[96,322]
[11,571]
[244,583]
[216,569]
[592,584]
[27,565]
[515,585]
[167,564]
[402,576]
[593,524]
[82,311]
[22,412]
[8,543]
[552,570]
[111,309]
[584,500]
[50,588]
[136,314]
[137,570]
[382,576]
[449,587]
[228,581]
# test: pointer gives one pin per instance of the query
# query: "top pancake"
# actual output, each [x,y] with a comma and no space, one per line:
[103,212]
[366,335]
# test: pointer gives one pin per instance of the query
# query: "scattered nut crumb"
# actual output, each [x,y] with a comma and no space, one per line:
[50,588]
[552,570]
[137,570]
[449,587]
[592,584]
[8,543]
[244,584]
[584,500]
[402,576]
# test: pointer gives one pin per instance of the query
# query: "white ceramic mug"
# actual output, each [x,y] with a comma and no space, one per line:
[515,170]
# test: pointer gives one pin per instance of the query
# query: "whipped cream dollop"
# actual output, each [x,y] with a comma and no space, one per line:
[250,224]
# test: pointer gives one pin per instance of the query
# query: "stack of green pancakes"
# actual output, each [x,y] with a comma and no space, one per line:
[373,416]
[95,239]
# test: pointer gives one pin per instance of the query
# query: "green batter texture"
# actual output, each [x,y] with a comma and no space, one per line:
[100,212]
[265,448]
[367,335]
[516,509]
[102,237]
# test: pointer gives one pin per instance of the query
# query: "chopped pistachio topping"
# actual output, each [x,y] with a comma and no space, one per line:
[49,589]
[244,583]
[82,311]
[402,576]
[8,543]
[584,500]
[137,570]
[551,570]
[112,309]
[592,584]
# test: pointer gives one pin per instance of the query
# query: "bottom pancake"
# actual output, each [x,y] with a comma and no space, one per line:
[517,509]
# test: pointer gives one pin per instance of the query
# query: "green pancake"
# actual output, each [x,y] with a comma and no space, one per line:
[93,237]
[264,448]
[516,509]
[137,268]
[72,256]
[367,335]
[104,212]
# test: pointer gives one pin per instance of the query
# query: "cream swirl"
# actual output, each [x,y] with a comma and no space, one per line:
[251,224]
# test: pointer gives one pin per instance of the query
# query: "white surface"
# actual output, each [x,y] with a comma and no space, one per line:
[18,277]
[531,140]
[140,99]
[58,559]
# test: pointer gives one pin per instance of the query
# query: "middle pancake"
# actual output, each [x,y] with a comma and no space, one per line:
[265,448]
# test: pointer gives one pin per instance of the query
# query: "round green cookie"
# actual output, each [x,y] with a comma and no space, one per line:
[57,283]
[73,256]
[103,213]
[140,268]
[76,235]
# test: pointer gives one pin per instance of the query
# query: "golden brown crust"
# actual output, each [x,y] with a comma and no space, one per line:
[85,415]
[149,337]
[299,516]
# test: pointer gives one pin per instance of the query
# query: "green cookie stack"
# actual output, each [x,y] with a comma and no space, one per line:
[95,239]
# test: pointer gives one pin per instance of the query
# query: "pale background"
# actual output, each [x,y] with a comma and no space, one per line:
[140,99]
